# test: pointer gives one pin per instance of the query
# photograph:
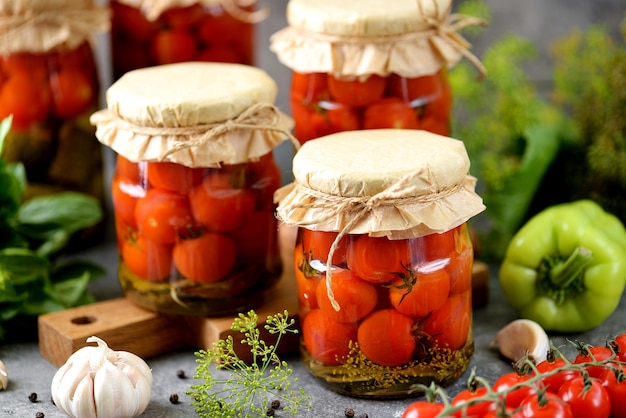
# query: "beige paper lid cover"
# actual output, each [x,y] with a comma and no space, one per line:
[153,9]
[353,38]
[386,182]
[198,114]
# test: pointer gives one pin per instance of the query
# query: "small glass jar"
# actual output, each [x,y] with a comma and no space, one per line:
[372,65]
[193,185]
[49,84]
[146,33]
[383,259]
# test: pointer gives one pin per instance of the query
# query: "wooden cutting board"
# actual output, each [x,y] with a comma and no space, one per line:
[124,326]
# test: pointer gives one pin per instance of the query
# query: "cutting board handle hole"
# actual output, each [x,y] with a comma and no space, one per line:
[83,320]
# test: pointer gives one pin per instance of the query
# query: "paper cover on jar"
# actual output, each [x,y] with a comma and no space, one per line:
[152,9]
[204,115]
[355,38]
[37,26]
[389,182]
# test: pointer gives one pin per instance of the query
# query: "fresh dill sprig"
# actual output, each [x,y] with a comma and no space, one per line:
[250,387]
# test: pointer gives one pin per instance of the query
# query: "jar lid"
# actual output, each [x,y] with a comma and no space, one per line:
[353,38]
[198,114]
[397,183]
[39,26]
[153,9]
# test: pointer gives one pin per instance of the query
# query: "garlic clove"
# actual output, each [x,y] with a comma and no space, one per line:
[4,376]
[520,338]
[81,404]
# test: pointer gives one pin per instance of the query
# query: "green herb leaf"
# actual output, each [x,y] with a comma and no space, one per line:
[245,392]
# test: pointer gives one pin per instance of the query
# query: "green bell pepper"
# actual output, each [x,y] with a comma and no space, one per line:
[566,267]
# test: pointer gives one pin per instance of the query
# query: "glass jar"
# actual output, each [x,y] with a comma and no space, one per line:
[371,65]
[383,259]
[146,33]
[49,84]
[193,185]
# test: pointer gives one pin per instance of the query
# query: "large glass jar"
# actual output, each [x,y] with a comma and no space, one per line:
[369,65]
[146,33]
[49,84]
[193,186]
[383,259]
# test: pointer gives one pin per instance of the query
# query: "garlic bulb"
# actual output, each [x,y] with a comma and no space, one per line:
[99,382]
[4,376]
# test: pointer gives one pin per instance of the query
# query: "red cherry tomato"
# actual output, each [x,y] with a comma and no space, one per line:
[326,340]
[551,407]
[418,294]
[554,382]
[205,259]
[218,205]
[173,45]
[449,326]
[355,296]
[591,353]
[619,345]
[174,177]
[307,279]
[308,87]
[390,112]
[386,338]
[587,398]
[423,409]
[355,92]
[514,397]
[147,259]
[318,243]
[378,259]
[477,409]
[162,216]
[616,391]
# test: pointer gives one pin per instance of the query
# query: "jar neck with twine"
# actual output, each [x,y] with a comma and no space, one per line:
[400,193]
[41,26]
[258,117]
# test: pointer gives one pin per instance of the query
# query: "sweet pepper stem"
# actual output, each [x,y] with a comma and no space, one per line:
[564,273]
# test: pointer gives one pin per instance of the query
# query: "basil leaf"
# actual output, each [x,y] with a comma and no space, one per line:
[71,211]
[20,265]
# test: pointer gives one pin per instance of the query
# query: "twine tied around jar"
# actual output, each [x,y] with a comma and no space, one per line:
[447,31]
[37,31]
[259,116]
[236,8]
[398,193]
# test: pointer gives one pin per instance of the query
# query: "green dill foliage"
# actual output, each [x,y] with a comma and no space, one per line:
[250,387]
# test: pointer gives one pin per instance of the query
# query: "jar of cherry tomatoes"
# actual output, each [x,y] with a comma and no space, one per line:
[370,65]
[383,259]
[193,186]
[49,84]
[146,33]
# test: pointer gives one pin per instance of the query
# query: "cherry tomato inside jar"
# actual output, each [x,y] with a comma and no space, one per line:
[196,240]
[394,299]
[179,34]
[322,104]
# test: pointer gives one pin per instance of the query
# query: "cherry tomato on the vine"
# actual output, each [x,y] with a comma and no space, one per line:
[513,397]
[477,409]
[594,353]
[550,406]
[616,391]
[619,345]
[586,397]
[423,409]
[554,382]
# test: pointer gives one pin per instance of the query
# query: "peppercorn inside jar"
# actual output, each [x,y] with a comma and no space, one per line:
[383,259]
[369,65]
[49,85]
[146,33]
[193,186]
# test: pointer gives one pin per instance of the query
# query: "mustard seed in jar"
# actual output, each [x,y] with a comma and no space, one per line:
[193,186]
[383,259]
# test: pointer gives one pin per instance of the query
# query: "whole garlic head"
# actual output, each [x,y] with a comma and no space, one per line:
[4,376]
[99,382]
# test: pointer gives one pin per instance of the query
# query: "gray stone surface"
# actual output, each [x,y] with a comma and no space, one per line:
[539,20]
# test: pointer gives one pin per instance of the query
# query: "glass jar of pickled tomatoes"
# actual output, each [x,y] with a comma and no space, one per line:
[146,33]
[370,65]
[193,187]
[49,84]
[383,259]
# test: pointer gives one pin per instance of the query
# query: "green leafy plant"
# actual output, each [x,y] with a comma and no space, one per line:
[247,389]
[531,149]
[33,233]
